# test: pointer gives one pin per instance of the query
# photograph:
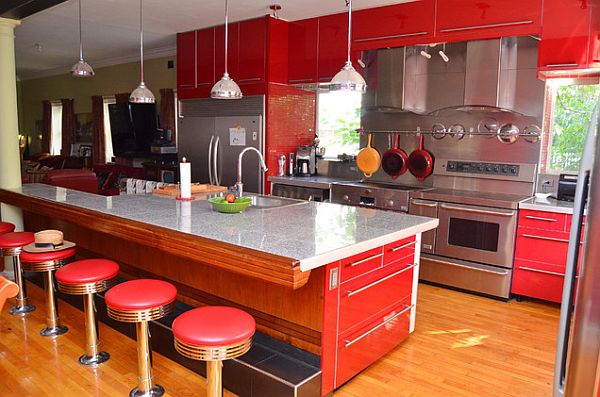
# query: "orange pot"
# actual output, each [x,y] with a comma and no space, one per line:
[368,159]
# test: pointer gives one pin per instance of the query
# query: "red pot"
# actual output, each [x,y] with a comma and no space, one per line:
[420,162]
[394,161]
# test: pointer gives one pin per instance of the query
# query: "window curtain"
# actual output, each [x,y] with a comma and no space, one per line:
[46,126]
[99,146]
[167,110]
[68,126]
[122,98]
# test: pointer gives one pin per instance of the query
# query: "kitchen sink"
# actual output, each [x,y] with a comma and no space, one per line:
[266,202]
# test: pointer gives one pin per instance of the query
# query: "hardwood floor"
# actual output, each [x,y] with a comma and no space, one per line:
[463,345]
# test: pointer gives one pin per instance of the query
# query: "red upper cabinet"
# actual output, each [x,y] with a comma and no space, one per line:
[186,60]
[252,55]
[303,51]
[594,53]
[232,53]
[565,35]
[459,20]
[333,44]
[205,57]
[393,26]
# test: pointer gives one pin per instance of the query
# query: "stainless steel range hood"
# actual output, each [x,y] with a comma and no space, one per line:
[498,72]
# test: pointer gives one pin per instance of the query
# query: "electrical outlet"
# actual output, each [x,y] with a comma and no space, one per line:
[548,182]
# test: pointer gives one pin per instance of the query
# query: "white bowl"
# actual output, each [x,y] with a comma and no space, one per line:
[542,195]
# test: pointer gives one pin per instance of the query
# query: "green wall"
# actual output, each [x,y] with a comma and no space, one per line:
[109,80]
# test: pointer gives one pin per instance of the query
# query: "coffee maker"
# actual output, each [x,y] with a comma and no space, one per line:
[306,161]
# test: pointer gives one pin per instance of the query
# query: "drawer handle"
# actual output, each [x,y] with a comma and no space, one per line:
[539,218]
[381,280]
[561,65]
[560,240]
[251,79]
[365,260]
[375,328]
[300,80]
[403,246]
[492,25]
[420,203]
[394,36]
[542,271]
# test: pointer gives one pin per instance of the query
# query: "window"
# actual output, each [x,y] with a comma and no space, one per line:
[108,153]
[571,109]
[339,117]
[56,135]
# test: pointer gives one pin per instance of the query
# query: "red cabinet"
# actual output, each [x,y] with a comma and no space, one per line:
[232,52]
[205,57]
[538,280]
[333,47]
[393,26]
[542,245]
[459,20]
[565,35]
[360,264]
[303,51]
[186,60]
[252,54]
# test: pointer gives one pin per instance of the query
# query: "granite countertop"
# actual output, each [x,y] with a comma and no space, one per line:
[548,204]
[315,181]
[314,234]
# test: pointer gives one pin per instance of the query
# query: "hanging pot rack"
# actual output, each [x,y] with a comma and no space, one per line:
[418,132]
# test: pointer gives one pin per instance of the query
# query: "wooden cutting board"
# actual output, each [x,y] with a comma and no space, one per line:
[197,190]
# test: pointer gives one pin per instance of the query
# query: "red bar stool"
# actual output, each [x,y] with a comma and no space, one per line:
[11,244]
[87,277]
[47,263]
[6,227]
[213,334]
[139,301]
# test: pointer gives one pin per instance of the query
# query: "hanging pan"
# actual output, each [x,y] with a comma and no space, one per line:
[394,161]
[368,159]
[420,162]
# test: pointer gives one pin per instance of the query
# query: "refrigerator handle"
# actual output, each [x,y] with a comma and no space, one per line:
[215,162]
[567,305]
[210,151]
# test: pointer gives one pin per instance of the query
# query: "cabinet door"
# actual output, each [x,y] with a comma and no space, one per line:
[186,60]
[252,51]
[537,280]
[476,19]
[565,35]
[232,52]
[542,246]
[333,39]
[594,52]
[303,50]
[393,26]
[205,59]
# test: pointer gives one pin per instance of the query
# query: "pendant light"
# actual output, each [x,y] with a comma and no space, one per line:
[226,88]
[81,68]
[348,79]
[141,94]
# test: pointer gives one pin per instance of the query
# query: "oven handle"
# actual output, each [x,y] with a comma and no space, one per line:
[477,211]
[499,272]
[420,203]
[375,328]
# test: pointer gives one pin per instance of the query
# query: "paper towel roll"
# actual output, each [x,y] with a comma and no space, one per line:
[185,179]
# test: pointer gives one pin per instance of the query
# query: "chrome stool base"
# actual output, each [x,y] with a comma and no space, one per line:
[54,331]
[21,310]
[156,391]
[92,361]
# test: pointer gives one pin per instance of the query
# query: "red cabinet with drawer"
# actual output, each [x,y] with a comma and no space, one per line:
[360,264]
[393,26]
[459,20]
[538,280]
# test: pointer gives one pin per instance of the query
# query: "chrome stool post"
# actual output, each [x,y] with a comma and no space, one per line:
[22,306]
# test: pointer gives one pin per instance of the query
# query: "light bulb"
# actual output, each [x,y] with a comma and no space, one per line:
[444,56]
[426,54]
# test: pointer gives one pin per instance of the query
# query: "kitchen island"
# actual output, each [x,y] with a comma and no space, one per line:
[335,280]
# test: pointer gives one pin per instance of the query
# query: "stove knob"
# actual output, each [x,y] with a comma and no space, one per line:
[504,169]
[513,170]
[368,191]
[390,203]
[488,168]
[346,198]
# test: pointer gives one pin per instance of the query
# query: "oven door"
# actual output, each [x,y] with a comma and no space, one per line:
[476,234]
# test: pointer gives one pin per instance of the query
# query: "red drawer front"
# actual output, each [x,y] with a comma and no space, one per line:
[359,349]
[570,223]
[538,280]
[542,246]
[398,250]
[364,262]
[366,296]
[543,220]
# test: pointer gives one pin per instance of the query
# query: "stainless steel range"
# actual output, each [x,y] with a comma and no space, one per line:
[385,196]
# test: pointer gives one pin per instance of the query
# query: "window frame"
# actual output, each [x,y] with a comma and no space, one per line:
[108,154]
[55,137]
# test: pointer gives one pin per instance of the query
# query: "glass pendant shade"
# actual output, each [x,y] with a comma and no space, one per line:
[348,79]
[141,95]
[82,69]
[226,88]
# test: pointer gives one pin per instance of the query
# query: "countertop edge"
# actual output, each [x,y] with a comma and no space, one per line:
[548,207]
[332,256]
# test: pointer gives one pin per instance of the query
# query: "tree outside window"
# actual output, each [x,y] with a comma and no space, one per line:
[339,117]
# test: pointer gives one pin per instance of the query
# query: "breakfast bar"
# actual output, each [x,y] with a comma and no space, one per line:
[298,267]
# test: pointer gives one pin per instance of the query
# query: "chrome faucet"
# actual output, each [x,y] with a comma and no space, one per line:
[239,186]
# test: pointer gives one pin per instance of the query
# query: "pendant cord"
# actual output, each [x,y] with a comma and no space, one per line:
[349,3]
[226,33]
[80,36]
[141,45]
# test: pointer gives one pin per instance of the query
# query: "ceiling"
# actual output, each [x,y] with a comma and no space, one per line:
[47,43]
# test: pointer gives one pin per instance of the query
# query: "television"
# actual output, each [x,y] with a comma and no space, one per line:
[133,127]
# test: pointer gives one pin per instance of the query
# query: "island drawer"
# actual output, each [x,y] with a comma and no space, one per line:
[361,347]
[543,220]
[364,297]
[542,246]
[359,264]
[398,250]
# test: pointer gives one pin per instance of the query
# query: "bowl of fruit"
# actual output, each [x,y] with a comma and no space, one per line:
[230,204]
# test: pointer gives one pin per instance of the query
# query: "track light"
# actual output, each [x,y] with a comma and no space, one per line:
[426,54]
[442,53]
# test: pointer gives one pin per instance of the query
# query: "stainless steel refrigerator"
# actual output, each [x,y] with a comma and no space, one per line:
[577,370]
[213,143]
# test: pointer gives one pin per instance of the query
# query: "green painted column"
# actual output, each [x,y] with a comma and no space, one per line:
[10,165]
